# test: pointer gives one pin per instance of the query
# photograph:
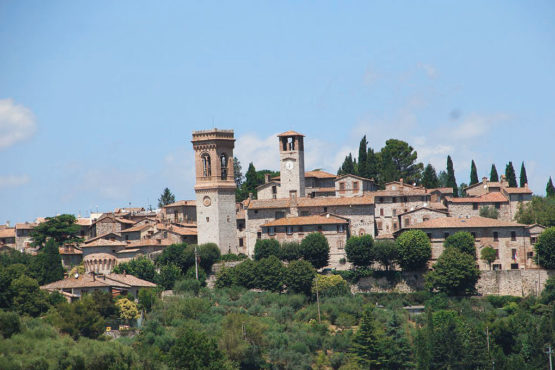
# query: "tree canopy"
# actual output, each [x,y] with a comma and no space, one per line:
[166,198]
[540,210]
[429,177]
[493,176]
[510,175]
[454,273]
[414,250]
[62,229]
[550,189]
[545,249]
[265,248]
[359,250]
[462,241]
[316,250]
[523,177]
[473,173]
[451,180]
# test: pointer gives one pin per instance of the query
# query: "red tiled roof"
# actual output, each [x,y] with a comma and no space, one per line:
[290,133]
[181,203]
[494,197]
[460,223]
[319,174]
[321,190]
[87,281]
[69,250]
[7,233]
[518,190]
[25,226]
[148,243]
[444,211]
[103,243]
[103,236]
[137,228]
[400,193]
[307,220]
[83,221]
[441,190]
[355,176]
[312,202]
[178,230]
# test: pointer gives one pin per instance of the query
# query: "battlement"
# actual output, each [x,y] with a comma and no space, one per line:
[212,134]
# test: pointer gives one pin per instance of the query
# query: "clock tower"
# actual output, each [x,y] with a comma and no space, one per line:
[291,155]
[215,189]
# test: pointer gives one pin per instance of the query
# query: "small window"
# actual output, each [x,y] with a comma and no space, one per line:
[258,235]
[394,212]
[207,219]
[289,230]
[445,235]
[497,205]
[497,254]
[241,242]
[340,228]
[394,200]
[280,214]
[474,205]
[513,235]
[355,186]
[380,200]
[340,244]
[379,225]
[473,235]
[271,230]
[530,255]
[495,236]
[513,254]
[424,219]
[514,266]
[395,226]
[496,266]
[429,236]
[325,209]
[381,211]
[533,239]
[407,222]
[342,187]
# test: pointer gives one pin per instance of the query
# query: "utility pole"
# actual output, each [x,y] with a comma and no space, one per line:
[549,352]
[196,262]
[318,301]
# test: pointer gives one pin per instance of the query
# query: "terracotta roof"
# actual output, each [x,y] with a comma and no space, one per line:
[441,190]
[7,233]
[69,250]
[178,230]
[457,222]
[312,202]
[319,174]
[321,190]
[290,133]
[83,221]
[129,209]
[181,203]
[137,228]
[103,236]
[490,184]
[307,220]
[125,221]
[266,184]
[148,243]
[87,281]
[103,243]
[25,226]
[517,190]
[241,214]
[494,197]
[400,193]
[403,184]
[268,203]
[355,176]
[444,211]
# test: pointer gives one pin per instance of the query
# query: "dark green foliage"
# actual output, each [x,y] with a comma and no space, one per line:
[230,257]
[548,294]
[462,190]
[299,277]
[175,254]
[463,241]
[316,250]
[208,253]
[368,341]
[192,274]
[10,324]
[265,248]
[510,175]
[27,298]
[103,303]
[253,179]
[397,351]
[442,179]
[473,173]
[363,157]
[429,177]
[359,250]
[523,177]
[414,250]
[80,318]
[246,274]
[385,252]
[147,298]
[550,189]
[540,210]
[545,249]
[55,298]
[225,277]
[270,274]
[166,198]
[195,350]
[398,160]
[169,274]
[141,267]
[237,174]
[189,284]
[290,251]
[493,176]
[47,267]
[62,229]
[489,212]
[454,273]
[451,180]
[488,254]
[348,166]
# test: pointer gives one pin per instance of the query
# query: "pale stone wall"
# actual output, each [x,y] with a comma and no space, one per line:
[185,213]
[514,202]
[419,216]
[512,282]
[387,210]
[107,226]
[266,192]
[292,178]
[464,210]
[349,187]
[254,219]
[216,219]
[361,217]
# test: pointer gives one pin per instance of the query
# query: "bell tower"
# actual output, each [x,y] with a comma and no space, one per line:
[291,155]
[215,189]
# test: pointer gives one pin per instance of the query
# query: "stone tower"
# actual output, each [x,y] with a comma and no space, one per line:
[291,155]
[215,189]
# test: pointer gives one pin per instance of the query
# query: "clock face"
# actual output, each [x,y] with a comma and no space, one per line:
[206,201]
[289,165]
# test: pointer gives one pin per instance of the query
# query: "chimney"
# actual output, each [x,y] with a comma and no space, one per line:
[267,178]
[124,273]
[250,195]
[94,276]
[401,181]
[484,180]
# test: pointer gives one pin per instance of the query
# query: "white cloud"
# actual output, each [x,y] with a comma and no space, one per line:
[13,180]
[16,123]
[263,152]
[430,70]
[476,126]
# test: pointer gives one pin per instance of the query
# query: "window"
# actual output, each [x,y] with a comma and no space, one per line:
[495,236]
[340,244]
[394,200]
[513,235]
[474,205]
[340,228]
[241,242]
[497,254]
[379,223]
[405,199]
[533,239]
[206,166]
[395,226]
[342,187]
[280,214]
[496,266]
[274,191]
[429,235]
[381,211]
[223,166]
[304,213]
[207,219]
[473,235]
[258,235]
[355,186]
[319,228]
[514,266]
[513,254]
[271,230]
[407,221]
[425,219]
[497,205]
[530,255]
[289,230]
[445,235]
[380,200]
[325,209]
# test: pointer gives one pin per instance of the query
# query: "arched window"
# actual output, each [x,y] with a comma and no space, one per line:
[206,166]
[223,164]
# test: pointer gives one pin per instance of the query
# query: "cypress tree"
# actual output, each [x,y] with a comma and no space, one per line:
[510,175]
[493,176]
[523,177]
[363,158]
[348,166]
[429,177]
[251,181]
[451,180]
[473,173]
[367,341]
[373,167]
[550,189]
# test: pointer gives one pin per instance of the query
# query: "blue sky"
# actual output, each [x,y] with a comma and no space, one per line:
[98,99]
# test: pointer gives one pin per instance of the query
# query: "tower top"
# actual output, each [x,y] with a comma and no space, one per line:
[290,133]
[213,134]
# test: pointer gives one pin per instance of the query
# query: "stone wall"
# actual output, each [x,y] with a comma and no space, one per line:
[511,282]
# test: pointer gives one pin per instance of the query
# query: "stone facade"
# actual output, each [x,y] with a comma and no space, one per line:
[390,204]
[352,186]
[292,176]
[183,211]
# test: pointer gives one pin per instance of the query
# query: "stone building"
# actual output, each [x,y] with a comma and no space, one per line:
[471,206]
[291,155]
[183,211]
[7,237]
[215,188]
[353,186]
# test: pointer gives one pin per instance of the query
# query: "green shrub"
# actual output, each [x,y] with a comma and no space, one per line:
[188,285]
[10,324]
[270,274]
[359,250]
[463,241]
[545,248]
[299,276]
[290,251]
[230,257]
[265,248]
[316,250]
[330,286]
[414,250]
[225,277]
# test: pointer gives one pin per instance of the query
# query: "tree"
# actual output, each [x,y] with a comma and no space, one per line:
[550,189]
[62,229]
[47,265]
[399,161]
[473,173]
[414,250]
[359,250]
[396,349]
[442,179]
[367,343]
[462,241]
[488,255]
[510,175]
[10,324]
[493,176]
[363,157]
[195,350]
[208,254]
[290,251]
[385,252]
[179,255]
[128,310]
[166,198]
[429,177]
[270,274]
[237,174]
[251,181]
[168,275]
[523,177]
[316,250]
[78,318]
[545,249]
[373,167]
[330,286]
[462,190]
[299,276]
[264,248]
[348,166]
[489,212]
[454,273]
[141,267]
[540,210]
[245,274]
[451,180]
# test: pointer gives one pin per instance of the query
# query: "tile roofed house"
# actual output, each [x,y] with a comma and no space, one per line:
[486,198]
[7,237]
[460,222]
[319,174]
[524,190]
[471,206]
[308,220]
[180,211]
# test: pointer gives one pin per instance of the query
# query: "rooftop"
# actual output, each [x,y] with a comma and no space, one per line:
[494,197]
[181,203]
[307,220]
[461,223]
[92,281]
[290,133]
